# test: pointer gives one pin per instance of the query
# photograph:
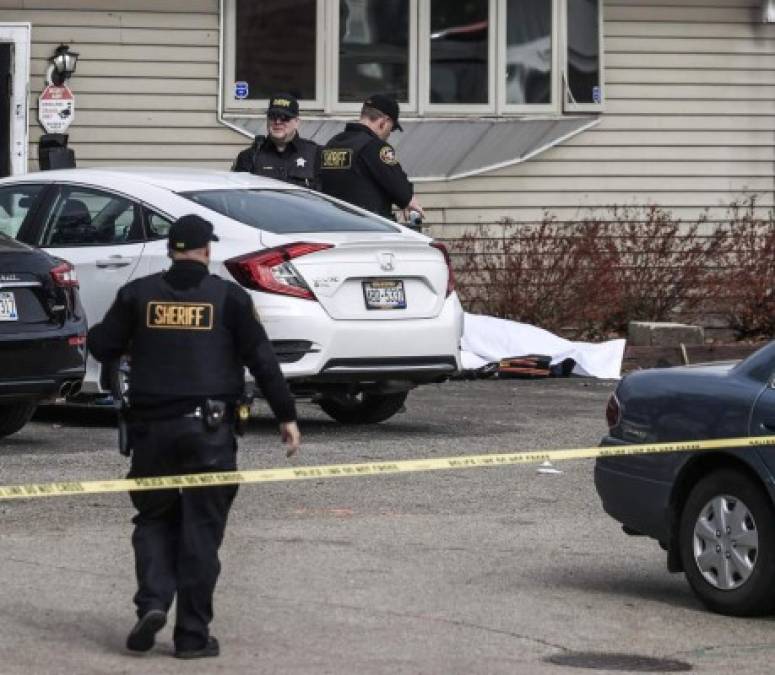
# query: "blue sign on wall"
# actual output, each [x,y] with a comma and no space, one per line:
[241,90]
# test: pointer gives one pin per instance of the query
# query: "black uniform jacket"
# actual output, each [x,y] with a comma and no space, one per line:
[298,163]
[359,168]
[238,336]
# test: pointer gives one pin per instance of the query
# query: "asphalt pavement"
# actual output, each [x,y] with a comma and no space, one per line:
[487,570]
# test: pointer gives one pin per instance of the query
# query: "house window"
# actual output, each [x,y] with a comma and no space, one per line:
[373,49]
[437,57]
[459,52]
[529,49]
[584,55]
[275,47]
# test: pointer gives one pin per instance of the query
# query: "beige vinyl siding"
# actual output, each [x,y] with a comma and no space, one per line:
[689,124]
[146,84]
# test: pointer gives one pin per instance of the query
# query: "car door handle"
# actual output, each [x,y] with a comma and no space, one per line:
[114,261]
[769,424]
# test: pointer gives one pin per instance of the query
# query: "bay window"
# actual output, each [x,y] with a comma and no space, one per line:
[436,57]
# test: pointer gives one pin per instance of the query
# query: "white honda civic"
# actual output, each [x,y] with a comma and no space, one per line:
[359,309]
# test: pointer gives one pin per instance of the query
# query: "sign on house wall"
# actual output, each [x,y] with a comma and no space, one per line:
[56,108]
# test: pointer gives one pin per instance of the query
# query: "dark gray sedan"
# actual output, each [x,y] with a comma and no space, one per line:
[42,332]
[711,511]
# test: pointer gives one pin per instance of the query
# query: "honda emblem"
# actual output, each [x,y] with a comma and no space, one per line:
[386,261]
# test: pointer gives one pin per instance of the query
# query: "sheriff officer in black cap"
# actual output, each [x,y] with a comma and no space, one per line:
[360,166]
[189,334]
[282,153]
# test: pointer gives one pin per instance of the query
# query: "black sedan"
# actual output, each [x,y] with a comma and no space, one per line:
[42,332]
[711,511]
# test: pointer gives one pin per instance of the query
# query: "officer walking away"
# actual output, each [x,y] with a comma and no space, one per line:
[188,334]
[282,153]
[360,166]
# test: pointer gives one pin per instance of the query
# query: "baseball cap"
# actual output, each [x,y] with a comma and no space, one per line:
[190,232]
[283,104]
[387,105]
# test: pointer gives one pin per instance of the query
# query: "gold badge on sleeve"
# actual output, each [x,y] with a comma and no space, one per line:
[388,155]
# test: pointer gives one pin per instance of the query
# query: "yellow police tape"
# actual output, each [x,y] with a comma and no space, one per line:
[365,469]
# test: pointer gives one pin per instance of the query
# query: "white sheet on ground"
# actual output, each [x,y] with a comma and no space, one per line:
[487,339]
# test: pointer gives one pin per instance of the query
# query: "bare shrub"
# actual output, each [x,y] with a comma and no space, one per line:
[741,285]
[661,265]
[588,278]
[531,273]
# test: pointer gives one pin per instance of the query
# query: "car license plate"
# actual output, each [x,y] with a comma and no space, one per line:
[384,294]
[8,307]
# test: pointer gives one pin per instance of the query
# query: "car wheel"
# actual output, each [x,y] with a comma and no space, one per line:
[727,544]
[363,408]
[14,416]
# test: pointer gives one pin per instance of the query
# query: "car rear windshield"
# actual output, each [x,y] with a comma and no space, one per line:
[286,211]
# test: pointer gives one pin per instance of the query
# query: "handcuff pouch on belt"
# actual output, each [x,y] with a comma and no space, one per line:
[214,414]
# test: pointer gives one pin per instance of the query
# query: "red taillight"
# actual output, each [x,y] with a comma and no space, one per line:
[450,271]
[271,270]
[613,411]
[64,275]
[76,340]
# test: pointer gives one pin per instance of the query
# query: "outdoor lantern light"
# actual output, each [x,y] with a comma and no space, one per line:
[64,62]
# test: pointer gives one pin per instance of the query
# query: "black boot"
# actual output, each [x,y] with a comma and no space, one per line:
[210,649]
[143,635]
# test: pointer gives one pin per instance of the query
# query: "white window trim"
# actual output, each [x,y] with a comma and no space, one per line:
[568,104]
[553,106]
[232,105]
[332,104]
[425,67]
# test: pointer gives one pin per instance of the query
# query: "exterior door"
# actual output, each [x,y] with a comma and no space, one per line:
[14,79]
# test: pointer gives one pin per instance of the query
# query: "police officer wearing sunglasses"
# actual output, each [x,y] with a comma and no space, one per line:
[189,335]
[282,153]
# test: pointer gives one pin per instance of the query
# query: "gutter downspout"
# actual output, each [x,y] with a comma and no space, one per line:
[219,113]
